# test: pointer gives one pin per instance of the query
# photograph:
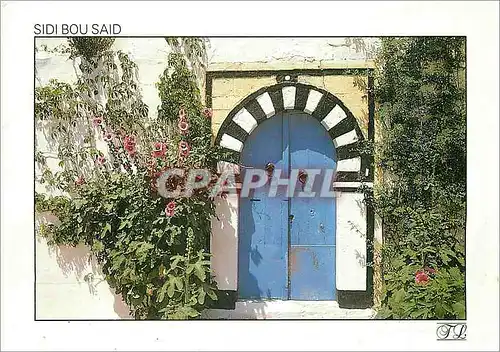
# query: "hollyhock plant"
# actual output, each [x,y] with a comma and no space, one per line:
[421,277]
[170,209]
[101,160]
[207,112]
[129,144]
[159,149]
[183,127]
[108,137]
[97,121]
[79,181]
[184,148]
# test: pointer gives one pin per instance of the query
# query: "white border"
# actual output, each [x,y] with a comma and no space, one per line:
[477,20]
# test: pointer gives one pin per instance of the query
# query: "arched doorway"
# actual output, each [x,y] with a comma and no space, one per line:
[286,244]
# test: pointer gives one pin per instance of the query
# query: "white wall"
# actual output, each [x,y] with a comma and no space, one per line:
[70,285]
[290,49]
[350,242]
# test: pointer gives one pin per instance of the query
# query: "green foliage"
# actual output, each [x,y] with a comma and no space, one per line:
[158,262]
[89,47]
[422,155]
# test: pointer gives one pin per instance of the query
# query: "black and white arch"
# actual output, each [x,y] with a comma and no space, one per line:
[352,167]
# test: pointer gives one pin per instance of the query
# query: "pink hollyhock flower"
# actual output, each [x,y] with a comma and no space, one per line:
[129,144]
[97,121]
[79,181]
[184,148]
[159,149]
[207,112]
[170,209]
[183,127]
[108,137]
[100,160]
[421,277]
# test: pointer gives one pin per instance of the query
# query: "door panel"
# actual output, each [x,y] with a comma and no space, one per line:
[263,243]
[312,271]
[312,231]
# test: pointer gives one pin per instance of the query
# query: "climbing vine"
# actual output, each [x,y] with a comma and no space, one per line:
[110,151]
[422,197]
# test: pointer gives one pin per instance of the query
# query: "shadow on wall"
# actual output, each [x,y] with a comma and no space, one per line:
[78,261]
[227,267]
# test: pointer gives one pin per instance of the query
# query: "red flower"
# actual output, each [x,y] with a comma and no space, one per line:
[100,160]
[129,144]
[108,137]
[170,209]
[199,178]
[207,112]
[79,181]
[183,127]
[184,148]
[159,149]
[97,121]
[421,277]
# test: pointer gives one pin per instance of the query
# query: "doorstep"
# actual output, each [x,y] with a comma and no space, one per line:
[277,309]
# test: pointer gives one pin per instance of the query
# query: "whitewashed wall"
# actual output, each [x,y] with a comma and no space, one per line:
[61,290]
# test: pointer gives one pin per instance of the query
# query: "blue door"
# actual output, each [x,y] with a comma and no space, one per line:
[287,244]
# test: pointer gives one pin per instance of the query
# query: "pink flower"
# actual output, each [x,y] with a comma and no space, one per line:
[170,209]
[183,127]
[421,277]
[97,121]
[129,144]
[100,160]
[159,149]
[184,148]
[198,178]
[108,137]
[207,112]
[79,181]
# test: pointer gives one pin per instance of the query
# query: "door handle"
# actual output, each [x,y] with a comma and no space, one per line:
[290,218]
[254,200]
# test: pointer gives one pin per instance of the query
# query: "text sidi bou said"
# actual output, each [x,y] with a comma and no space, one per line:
[76,29]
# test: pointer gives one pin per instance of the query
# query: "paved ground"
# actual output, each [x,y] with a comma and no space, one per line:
[288,310]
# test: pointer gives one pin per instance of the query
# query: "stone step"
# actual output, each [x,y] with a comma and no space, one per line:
[247,309]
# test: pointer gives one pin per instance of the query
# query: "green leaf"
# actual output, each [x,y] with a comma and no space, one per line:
[459,308]
[176,261]
[106,229]
[200,272]
[212,295]
[178,283]
[123,223]
[171,290]
[201,297]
